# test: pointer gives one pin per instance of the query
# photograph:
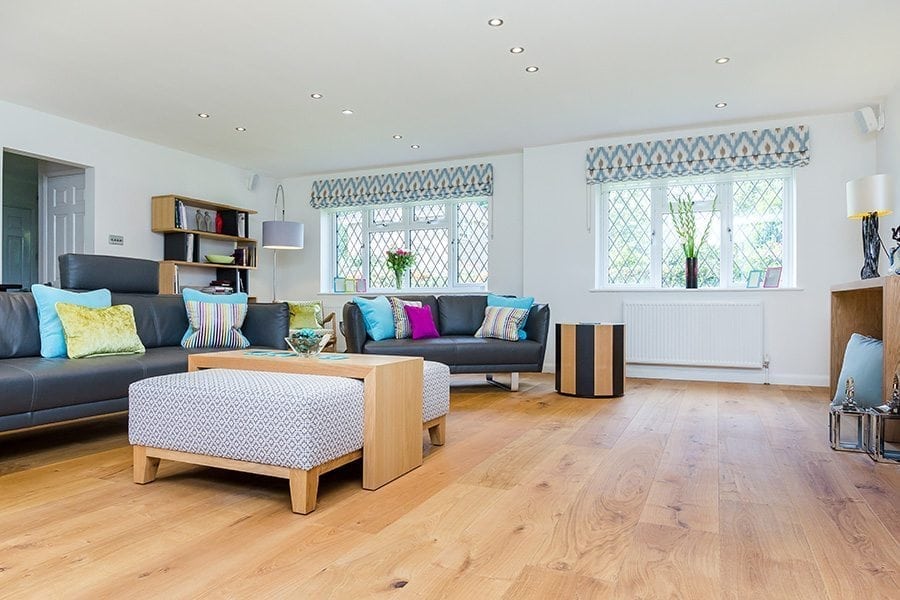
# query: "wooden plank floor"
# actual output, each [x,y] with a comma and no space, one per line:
[678,490]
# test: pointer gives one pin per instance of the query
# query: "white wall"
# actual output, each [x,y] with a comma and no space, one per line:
[298,272]
[559,254]
[889,147]
[126,173]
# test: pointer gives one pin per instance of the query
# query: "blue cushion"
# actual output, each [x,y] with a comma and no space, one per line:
[863,361]
[526,302]
[189,294]
[53,341]
[378,316]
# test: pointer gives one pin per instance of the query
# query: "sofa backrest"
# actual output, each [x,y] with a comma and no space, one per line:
[19,332]
[115,273]
[460,315]
[161,319]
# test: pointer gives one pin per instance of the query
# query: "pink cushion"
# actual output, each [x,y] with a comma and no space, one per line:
[421,322]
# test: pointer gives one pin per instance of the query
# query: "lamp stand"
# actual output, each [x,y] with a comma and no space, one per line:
[275,272]
[871,246]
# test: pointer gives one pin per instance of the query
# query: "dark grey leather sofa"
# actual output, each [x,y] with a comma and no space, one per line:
[37,391]
[457,317]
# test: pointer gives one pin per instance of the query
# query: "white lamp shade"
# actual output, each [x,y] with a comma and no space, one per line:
[282,235]
[872,194]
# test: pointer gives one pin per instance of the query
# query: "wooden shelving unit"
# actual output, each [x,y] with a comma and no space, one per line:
[163,220]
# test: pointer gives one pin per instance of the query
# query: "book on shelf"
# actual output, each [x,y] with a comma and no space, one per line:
[180,246]
[180,215]
[242,224]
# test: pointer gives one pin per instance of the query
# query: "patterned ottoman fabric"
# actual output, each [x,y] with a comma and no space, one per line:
[436,387]
[284,419]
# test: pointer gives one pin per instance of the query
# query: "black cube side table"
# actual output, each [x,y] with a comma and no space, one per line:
[590,359]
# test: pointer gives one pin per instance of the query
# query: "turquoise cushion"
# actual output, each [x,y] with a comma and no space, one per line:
[189,295]
[863,361]
[53,340]
[526,302]
[378,316]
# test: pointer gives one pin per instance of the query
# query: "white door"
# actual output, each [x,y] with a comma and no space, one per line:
[19,255]
[62,219]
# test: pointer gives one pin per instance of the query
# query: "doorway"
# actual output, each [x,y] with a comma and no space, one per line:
[43,215]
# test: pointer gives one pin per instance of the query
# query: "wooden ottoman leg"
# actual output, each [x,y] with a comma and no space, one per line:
[145,467]
[437,430]
[304,489]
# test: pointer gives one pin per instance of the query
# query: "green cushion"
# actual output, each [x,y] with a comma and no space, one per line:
[306,314]
[863,361]
[99,331]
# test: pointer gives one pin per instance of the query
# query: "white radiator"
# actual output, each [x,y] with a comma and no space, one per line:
[709,334]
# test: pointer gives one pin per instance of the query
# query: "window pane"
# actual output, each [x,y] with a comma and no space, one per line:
[349,244]
[758,226]
[472,242]
[384,216]
[630,235]
[429,213]
[432,267]
[380,276]
[673,252]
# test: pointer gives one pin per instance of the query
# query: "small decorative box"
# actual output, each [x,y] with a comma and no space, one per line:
[846,429]
[874,439]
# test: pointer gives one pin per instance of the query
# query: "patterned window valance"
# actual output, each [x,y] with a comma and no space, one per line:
[413,186]
[742,151]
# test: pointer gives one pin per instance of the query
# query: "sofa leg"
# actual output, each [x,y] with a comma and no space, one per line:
[145,467]
[513,382]
[304,489]
[437,430]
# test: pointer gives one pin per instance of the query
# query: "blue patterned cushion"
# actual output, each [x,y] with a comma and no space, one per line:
[502,323]
[526,302]
[53,341]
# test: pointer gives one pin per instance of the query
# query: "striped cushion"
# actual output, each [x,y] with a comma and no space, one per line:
[502,322]
[402,328]
[215,325]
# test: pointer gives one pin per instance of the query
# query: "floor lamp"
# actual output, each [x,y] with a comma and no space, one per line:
[867,199]
[280,235]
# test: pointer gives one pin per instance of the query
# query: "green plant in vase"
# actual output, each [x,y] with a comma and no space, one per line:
[399,261]
[684,219]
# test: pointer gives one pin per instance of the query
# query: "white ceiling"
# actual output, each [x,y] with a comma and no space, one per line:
[433,71]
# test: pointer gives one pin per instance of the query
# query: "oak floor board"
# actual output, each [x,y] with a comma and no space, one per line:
[678,489]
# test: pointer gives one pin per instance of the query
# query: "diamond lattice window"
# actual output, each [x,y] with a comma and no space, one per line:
[673,264]
[472,232]
[349,244]
[758,226]
[431,269]
[380,276]
[630,235]
[386,216]
[429,213]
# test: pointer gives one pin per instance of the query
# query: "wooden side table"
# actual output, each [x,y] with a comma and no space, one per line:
[590,359]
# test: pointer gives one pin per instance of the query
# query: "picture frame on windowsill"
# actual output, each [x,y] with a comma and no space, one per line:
[755,278]
[773,277]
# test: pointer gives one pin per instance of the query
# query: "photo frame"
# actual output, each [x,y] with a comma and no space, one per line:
[755,278]
[349,285]
[340,285]
[361,284]
[773,277]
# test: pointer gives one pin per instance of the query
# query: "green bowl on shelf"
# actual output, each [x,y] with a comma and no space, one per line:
[220,259]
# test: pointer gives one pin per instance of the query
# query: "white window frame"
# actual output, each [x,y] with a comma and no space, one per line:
[724,204]
[405,225]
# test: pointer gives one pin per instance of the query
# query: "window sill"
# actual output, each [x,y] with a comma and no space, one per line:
[693,291]
[408,293]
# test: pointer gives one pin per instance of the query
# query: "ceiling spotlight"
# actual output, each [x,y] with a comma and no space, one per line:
[240,129]
[721,104]
[495,22]
[397,136]
[531,69]
[346,111]
[414,146]
[316,96]
[517,49]
[203,115]
[722,60]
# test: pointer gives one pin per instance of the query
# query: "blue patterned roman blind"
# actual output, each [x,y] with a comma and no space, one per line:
[742,151]
[413,186]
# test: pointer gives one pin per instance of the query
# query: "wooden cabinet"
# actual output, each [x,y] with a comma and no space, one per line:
[175,217]
[868,307]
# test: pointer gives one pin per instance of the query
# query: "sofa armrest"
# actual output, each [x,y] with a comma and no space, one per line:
[354,328]
[267,325]
[538,326]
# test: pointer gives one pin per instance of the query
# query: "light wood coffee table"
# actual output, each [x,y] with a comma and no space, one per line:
[392,430]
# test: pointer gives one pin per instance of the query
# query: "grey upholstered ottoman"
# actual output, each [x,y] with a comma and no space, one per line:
[280,424]
[436,400]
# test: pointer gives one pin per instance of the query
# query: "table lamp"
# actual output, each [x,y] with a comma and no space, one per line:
[280,235]
[869,198]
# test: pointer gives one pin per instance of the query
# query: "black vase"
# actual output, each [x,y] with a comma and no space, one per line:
[690,273]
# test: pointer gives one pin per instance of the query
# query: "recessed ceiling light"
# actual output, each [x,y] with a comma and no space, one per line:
[517,49]
[203,115]
[414,146]
[397,136]
[346,111]
[531,69]
[316,96]
[721,104]
[722,60]
[495,22]
[240,129]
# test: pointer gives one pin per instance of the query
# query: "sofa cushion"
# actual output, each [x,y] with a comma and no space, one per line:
[170,359]
[513,302]
[266,325]
[215,325]
[18,390]
[489,351]
[502,322]
[436,349]
[378,317]
[99,331]
[20,333]
[421,322]
[53,341]
[460,315]
[161,319]
[863,361]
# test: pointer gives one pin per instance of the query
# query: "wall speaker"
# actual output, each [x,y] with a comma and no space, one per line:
[252,180]
[868,121]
